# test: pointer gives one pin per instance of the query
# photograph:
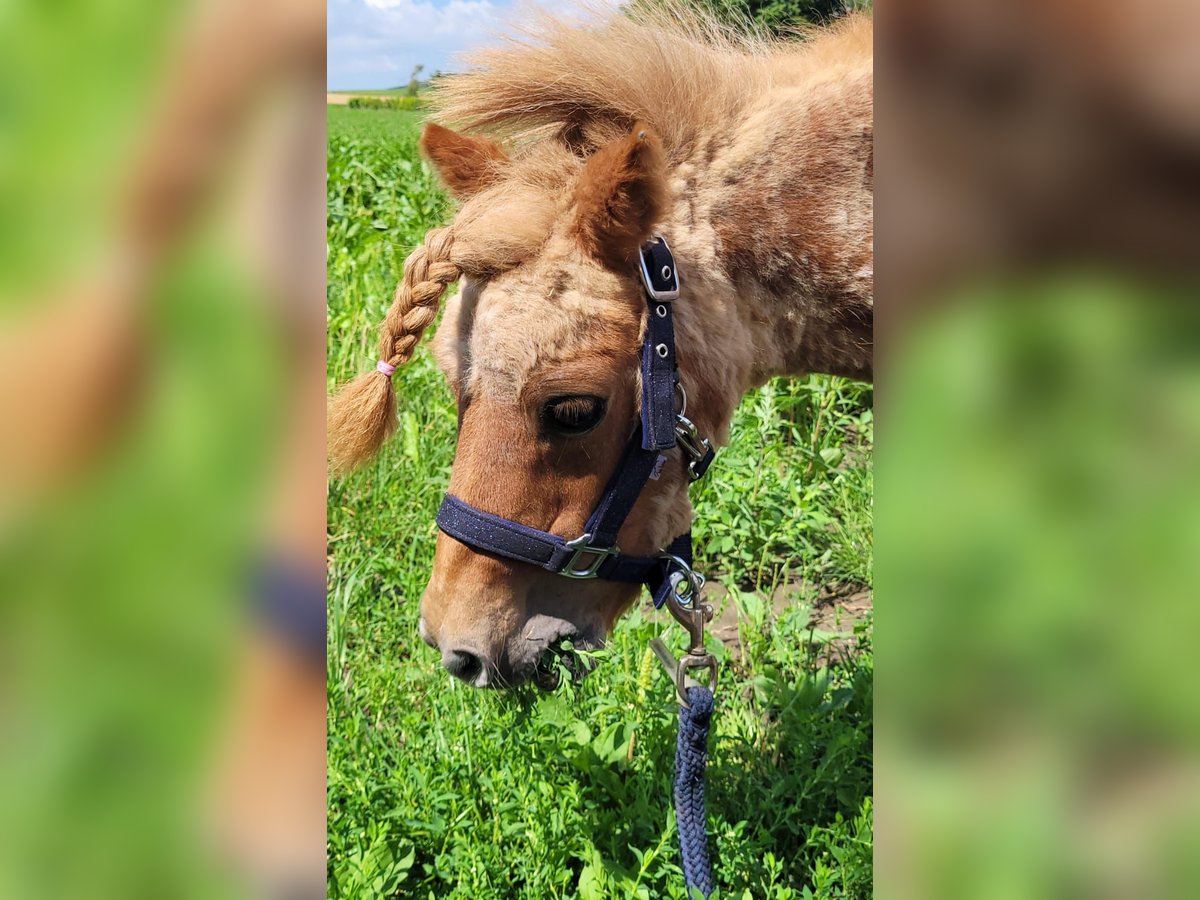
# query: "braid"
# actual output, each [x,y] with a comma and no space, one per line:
[363,414]
[427,271]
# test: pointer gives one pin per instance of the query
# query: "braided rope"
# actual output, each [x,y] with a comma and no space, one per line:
[427,271]
[691,757]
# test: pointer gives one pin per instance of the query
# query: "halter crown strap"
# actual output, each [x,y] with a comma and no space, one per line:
[659,369]
[594,554]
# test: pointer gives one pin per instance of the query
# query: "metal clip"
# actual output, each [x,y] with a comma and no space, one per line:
[678,670]
[695,446]
[579,565]
[683,600]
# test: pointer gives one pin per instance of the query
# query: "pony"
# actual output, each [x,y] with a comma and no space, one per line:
[576,141]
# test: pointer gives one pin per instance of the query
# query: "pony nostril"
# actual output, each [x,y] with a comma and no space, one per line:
[462,664]
[423,631]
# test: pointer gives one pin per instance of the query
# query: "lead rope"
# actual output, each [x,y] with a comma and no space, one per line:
[691,759]
[695,715]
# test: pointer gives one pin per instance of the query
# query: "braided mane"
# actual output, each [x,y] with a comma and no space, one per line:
[427,271]
[363,414]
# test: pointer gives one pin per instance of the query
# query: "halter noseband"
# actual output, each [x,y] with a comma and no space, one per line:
[595,554]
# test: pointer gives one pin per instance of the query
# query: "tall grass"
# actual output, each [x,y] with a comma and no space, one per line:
[438,790]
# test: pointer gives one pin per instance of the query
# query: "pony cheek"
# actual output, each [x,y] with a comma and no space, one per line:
[663,512]
[622,601]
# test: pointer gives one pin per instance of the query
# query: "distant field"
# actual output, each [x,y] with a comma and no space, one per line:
[438,790]
[381,92]
[341,98]
[375,125]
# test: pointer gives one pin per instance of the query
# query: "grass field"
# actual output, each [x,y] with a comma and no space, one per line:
[439,790]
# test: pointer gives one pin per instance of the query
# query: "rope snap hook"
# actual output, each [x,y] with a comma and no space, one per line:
[683,601]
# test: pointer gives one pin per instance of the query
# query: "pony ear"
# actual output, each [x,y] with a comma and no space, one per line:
[466,164]
[620,195]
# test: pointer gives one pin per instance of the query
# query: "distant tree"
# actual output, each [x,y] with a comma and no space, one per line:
[780,16]
[413,84]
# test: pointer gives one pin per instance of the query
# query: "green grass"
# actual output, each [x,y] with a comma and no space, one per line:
[439,790]
[382,126]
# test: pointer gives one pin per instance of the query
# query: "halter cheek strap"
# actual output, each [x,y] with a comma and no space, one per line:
[595,554]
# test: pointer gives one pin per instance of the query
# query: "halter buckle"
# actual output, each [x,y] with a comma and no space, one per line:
[586,561]
[660,284]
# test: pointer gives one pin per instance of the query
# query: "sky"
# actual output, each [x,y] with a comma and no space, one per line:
[376,43]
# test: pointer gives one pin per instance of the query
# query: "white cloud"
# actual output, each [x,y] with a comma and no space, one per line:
[376,43]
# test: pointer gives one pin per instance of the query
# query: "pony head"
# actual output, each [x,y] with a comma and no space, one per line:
[541,348]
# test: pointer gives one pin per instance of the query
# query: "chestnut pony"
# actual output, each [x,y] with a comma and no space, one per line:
[752,158]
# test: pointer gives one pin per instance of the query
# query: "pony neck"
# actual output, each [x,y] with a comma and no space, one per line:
[771,225]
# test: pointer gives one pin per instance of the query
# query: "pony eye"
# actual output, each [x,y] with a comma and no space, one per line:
[573,415]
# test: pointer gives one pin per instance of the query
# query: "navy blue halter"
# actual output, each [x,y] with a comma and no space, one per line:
[595,554]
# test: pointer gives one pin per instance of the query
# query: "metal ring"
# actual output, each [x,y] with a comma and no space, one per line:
[666,273]
[684,586]
[662,350]
[687,664]
[661,310]
[695,580]
[682,398]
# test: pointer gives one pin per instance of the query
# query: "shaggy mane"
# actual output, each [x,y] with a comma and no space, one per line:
[587,76]
[565,84]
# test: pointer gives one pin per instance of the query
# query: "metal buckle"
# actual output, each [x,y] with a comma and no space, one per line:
[695,446]
[583,548]
[671,293]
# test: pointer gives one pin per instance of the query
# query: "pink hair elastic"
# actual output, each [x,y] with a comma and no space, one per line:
[386,368]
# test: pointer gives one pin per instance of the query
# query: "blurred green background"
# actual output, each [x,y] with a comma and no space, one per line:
[75,80]
[122,580]
[1039,544]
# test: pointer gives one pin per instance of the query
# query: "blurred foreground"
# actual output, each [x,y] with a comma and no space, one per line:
[161,346]
[161,384]
[1038,507]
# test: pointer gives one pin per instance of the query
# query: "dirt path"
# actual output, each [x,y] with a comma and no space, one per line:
[835,611]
